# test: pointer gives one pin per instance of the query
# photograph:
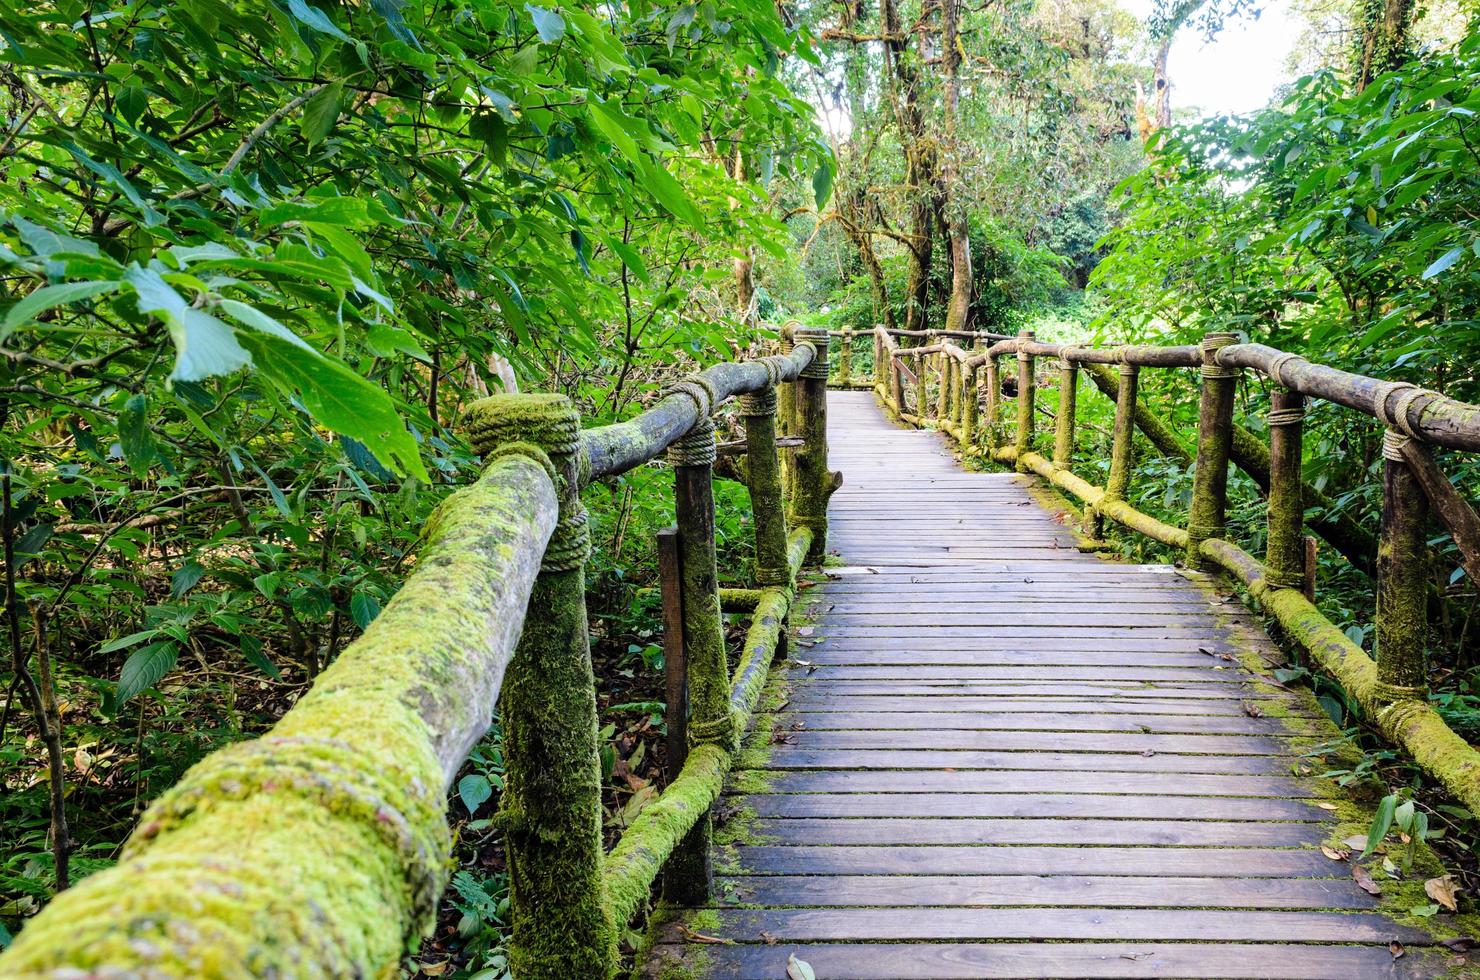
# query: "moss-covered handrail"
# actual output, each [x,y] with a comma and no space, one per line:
[321,849]
[1391,687]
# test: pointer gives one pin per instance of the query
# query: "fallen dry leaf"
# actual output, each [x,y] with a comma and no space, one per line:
[1252,710]
[1335,853]
[1443,890]
[799,969]
[1327,806]
[1356,841]
[1460,944]
[768,938]
[1364,880]
[1396,948]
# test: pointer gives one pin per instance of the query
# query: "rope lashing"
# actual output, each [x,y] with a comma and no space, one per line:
[1393,411]
[1210,347]
[1393,442]
[1285,416]
[699,389]
[758,403]
[1277,368]
[697,448]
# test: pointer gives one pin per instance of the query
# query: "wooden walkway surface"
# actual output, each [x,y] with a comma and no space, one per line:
[1002,757]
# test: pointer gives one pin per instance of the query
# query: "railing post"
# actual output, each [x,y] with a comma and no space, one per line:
[768,509]
[1122,448]
[1402,575]
[878,357]
[896,383]
[1205,518]
[1284,552]
[970,405]
[845,358]
[943,397]
[551,807]
[814,482]
[1025,397]
[994,403]
[688,875]
[922,389]
[1063,434]
[786,411]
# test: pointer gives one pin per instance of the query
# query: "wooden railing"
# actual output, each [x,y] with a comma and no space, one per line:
[969,405]
[321,849]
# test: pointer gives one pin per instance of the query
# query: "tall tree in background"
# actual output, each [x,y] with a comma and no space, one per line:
[958,310]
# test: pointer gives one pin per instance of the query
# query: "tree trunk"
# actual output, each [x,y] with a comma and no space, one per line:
[921,164]
[958,310]
[1382,44]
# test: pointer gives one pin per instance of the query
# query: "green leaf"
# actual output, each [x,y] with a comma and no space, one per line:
[185,578]
[321,112]
[822,182]
[50,297]
[363,608]
[340,399]
[1443,262]
[124,642]
[474,791]
[799,969]
[547,23]
[145,667]
[134,437]
[252,653]
[1382,822]
[316,19]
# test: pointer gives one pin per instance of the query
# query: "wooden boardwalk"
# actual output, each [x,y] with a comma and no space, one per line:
[1002,757]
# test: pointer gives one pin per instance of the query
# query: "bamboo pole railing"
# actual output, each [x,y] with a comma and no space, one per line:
[1392,687]
[321,848]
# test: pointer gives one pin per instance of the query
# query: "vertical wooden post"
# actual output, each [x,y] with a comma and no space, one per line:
[1122,448]
[970,405]
[1063,435]
[675,666]
[814,480]
[922,388]
[1205,518]
[1284,552]
[845,358]
[994,404]
[896,382]
[879,366]
[688,875]
[768,509]
[1025,397]
[1402,575]
[943,386]
[786,411]
[552,797]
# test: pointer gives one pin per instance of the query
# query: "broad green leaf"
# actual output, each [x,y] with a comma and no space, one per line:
[50,297]
[251,648]
[1443,262]
[134,437]
[316,19]
[474,791]
[145,667]
[547,23]
[363,608]
[321,112]
[185,578]
[1382,822]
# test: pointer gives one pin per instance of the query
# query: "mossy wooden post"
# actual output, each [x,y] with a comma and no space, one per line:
[896,382]
[688,875]
[845,358]
[551,807]
[675,663]
[879,366]
[1025,397]
[922,388]
[1402,576]
[1205,517]
[970,405]
[1122,448]
[786,401]
[1284,552]
[1063,434]
[768,510]
[994,403]
[814,482]
[942,386]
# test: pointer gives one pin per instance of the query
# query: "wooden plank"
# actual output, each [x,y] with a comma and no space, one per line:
[1031,805]
[1062,891]
[1021,781]
[961,924]
[791,757]
[1006,703]
[1021,741]
[803,684]
[1084,832]
[1223,673]
[991,961]
[1045,722]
